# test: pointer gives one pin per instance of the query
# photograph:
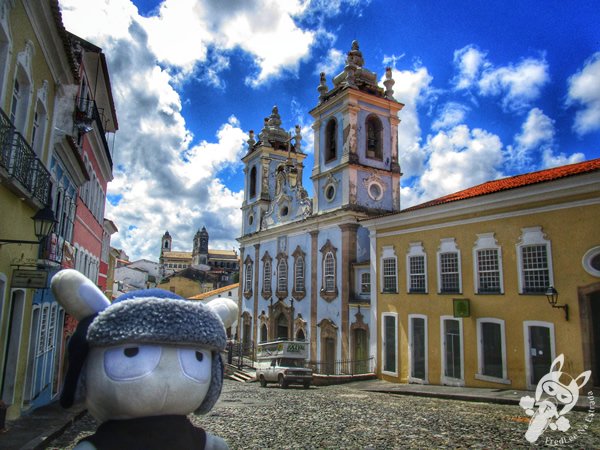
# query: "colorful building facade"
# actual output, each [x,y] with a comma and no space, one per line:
[461,282]
[38,161]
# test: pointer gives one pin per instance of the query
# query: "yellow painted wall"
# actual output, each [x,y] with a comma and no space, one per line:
[15,216]
[572,232]
[185,287]
[15,223]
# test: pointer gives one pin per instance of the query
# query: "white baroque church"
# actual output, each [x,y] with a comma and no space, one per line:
[305,262]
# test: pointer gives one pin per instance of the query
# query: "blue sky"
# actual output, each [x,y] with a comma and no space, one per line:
[491,88]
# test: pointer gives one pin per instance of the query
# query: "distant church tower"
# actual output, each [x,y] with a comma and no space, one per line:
[200,249]
[166,242]
[356,141]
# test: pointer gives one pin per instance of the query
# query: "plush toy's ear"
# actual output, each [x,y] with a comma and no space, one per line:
[226,309]
[77,294]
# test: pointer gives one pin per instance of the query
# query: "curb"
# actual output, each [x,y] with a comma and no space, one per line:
[41,441]
[462,397]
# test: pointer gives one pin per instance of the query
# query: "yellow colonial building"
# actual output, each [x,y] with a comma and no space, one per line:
[460,282]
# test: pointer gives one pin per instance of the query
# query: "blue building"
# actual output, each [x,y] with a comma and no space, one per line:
[305,271]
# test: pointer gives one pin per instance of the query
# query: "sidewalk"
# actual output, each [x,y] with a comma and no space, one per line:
[470,394]
[33,430]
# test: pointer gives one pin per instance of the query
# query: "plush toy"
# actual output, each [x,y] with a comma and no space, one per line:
[143,363]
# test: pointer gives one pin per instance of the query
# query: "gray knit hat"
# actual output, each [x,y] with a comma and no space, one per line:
[158,320]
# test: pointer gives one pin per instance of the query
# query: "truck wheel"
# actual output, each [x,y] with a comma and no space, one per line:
[306,384]
[263,382]
[282,383]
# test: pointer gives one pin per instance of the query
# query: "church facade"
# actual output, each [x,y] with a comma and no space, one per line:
[305,269]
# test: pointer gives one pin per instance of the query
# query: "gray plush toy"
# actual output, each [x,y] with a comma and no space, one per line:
[143,363]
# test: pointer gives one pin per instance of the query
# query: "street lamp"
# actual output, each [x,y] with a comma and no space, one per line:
[43,223]
[552,296]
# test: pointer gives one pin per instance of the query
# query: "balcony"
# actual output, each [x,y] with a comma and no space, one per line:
[26,174]
[86,114]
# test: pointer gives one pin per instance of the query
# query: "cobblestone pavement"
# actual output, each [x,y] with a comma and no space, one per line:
[343,416]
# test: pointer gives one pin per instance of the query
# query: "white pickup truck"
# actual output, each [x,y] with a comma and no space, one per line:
[283,362]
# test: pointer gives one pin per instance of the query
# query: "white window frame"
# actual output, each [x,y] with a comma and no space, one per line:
[329,272]
[282,275]
[384,344]
[362,283]
[299,271]
[416,249]
[388,253]
[533,236]
[486,241]
[480,375]
[248,276]
[445,380]
[527,346]
[448,245]
[412,379]
[267,282]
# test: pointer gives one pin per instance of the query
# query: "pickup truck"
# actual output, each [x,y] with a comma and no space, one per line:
[283,362]
[285,371]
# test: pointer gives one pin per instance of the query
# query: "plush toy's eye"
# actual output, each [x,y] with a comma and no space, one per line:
[195,363]
[128,362]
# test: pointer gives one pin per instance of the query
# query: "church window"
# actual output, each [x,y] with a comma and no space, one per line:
[248,277]
[330,192]
[330,140]
[299,291]
[329,270]
[374,137]
[282,275]
[252,182]
[365,283]
[266,285]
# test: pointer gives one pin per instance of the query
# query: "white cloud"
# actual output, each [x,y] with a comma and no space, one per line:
[333,61]
[469,61]
[458,158]
[538,129]
[584,90]
[517,85]
[536,142]
[411,88]
[451,114]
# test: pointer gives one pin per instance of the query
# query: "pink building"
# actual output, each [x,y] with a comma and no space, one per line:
[95,118]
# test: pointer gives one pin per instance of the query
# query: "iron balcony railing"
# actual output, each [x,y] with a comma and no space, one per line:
[348,367]
[19,160]
[86,113]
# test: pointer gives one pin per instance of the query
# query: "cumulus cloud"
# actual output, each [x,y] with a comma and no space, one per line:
[451,114]
[469,62]
[412,88]
[332,62]
[517,85]
[459,158]
[584,91]
[535,142]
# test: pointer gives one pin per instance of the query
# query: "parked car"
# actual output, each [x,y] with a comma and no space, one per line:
[284,363]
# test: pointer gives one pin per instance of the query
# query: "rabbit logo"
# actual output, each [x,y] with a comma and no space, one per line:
[553,400]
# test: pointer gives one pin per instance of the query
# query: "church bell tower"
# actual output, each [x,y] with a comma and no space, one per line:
[356,141]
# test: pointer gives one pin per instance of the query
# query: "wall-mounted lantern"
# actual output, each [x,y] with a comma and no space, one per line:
[552,296]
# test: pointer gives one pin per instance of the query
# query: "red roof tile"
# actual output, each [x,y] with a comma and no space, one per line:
[516,181]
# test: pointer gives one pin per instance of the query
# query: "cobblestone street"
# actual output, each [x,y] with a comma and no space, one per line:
[343,416]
